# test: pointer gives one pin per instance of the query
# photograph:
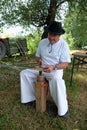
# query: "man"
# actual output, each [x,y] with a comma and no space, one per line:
[53,55]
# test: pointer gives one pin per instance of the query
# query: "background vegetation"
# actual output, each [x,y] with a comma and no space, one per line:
[16,116]
[40,13]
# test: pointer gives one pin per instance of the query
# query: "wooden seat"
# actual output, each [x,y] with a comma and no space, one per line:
[42,91]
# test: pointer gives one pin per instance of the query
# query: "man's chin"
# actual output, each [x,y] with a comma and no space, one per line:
[52,42]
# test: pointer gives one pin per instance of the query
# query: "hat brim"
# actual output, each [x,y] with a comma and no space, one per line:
[56,33]
[62,31]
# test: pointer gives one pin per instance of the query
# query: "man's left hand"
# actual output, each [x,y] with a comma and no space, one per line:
[49,68]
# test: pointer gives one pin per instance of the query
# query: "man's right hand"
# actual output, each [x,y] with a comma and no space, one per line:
[40,63]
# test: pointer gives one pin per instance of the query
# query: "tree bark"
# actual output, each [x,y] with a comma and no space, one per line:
[51,15]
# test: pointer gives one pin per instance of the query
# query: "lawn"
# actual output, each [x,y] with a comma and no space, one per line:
[16,116]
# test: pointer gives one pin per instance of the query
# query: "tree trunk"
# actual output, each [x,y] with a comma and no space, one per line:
[51,12]
[51,15]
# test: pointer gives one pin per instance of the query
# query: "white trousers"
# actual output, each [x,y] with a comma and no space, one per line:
[56,84]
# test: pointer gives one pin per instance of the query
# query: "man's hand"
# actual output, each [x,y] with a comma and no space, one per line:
[39,61]
[49,68]
[57,66]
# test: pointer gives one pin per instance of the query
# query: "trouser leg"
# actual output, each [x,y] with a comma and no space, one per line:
[27,81]
[58,91]
[56,84]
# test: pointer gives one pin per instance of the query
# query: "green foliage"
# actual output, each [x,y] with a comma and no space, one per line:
[41,12]
[24,12]
[33,40]
[29,12]
[76,22]
[68,37]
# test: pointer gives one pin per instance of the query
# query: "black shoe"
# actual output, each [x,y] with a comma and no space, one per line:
[67,114]
[30,103]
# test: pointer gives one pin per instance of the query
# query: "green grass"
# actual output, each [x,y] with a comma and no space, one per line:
[16,116]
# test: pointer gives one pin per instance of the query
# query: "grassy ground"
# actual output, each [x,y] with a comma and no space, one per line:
[16,116]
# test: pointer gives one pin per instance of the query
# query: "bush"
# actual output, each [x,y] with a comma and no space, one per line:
[33,40]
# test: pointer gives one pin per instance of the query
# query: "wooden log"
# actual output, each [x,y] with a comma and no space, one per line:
[41,92]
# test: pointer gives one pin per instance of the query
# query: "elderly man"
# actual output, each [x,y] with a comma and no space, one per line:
[53,55]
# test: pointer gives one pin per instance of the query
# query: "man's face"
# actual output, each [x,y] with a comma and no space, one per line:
[53,38]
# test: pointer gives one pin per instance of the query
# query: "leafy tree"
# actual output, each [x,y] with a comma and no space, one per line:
[41,13]
[29,12]
[76,22]
[35,12]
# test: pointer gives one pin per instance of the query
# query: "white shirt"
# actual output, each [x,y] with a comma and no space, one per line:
[53,54]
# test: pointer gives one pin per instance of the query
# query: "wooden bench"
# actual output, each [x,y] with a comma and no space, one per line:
[79,58]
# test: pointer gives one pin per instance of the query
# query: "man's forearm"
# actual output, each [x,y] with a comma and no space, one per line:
[61,65]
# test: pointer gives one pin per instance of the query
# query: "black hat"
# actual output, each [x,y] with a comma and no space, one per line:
[56,28]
